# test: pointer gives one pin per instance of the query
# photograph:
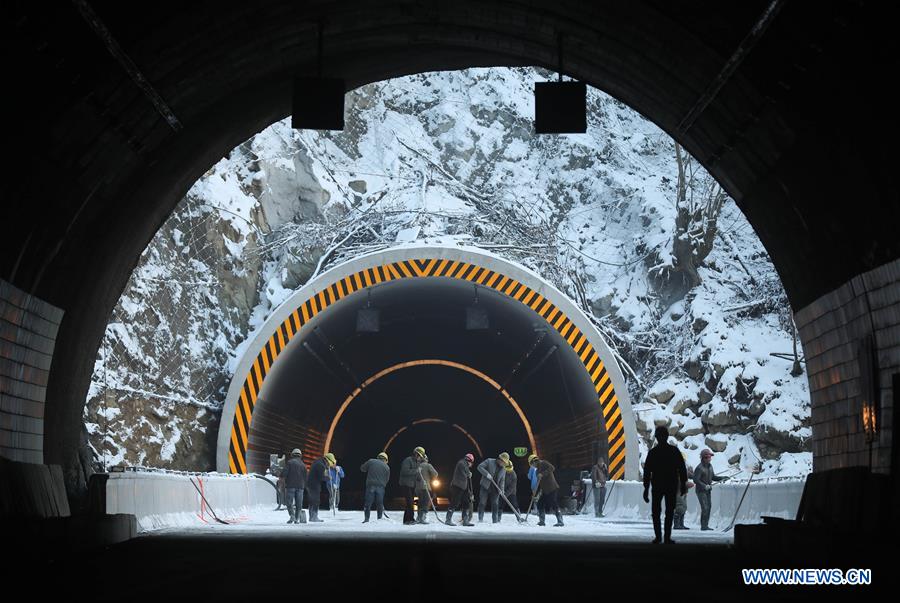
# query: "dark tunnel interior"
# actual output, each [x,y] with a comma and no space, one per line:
[439,406]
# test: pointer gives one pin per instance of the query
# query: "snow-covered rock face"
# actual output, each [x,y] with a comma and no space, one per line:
[665,264]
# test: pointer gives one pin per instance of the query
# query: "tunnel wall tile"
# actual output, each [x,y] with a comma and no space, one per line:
[273,432]
[574,443]
[831,329]
[28,329]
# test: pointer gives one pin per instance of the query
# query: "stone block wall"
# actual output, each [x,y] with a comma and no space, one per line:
[28,328]
[832,329]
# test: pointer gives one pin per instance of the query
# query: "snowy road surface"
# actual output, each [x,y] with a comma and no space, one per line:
[348,525]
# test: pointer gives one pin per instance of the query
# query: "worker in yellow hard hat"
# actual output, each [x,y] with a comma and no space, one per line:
[510,485]
[377,475]
[409,475]
[336,473]
[493,477]
[318,474]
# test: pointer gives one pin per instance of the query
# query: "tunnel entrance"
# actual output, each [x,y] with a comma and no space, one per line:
[435,385]
[468,353]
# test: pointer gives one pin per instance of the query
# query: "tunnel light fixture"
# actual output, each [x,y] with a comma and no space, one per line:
[560,107]
[867,359]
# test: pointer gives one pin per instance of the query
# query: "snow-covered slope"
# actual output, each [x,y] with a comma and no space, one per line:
[450,156]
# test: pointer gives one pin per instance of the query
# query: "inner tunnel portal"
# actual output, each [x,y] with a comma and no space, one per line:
[440,362]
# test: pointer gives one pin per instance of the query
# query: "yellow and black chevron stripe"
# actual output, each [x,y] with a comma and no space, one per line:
[423,269]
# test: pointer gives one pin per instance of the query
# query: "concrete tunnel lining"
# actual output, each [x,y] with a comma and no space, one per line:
[305,308]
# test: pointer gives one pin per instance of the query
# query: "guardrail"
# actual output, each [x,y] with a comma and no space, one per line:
[775,498]
[166,499]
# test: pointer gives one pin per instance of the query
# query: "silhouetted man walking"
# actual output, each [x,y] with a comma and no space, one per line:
[665,470]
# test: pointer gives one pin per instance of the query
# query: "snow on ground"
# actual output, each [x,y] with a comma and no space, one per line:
[348,525]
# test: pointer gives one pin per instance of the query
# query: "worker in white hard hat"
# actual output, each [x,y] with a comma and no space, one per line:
[704,477]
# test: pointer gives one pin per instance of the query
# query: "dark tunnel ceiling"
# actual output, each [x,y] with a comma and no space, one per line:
[425,319]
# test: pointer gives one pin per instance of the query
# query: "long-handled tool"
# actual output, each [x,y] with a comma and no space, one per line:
[534,498]
[206,502]
[428,493]
[331,497]
[738,508]
[470,508]
[519,517]
[611,488]
[268,481]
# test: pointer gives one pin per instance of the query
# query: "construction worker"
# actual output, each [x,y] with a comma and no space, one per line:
[318,474]
[704,476]
[461,490]
[337,474]
[493,473]
[276,469]
[294,475]
[409,472]
[599,475]
[532,473]
[681,503]
[546,484]
[533,482]
[579,493]
[378,472]
[510,484]
[426,473]
[665,470]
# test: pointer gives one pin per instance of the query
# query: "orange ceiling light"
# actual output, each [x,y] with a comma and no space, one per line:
[429,362]
[421,421]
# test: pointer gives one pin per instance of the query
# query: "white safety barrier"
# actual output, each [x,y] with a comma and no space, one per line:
[165,500]
[774,498]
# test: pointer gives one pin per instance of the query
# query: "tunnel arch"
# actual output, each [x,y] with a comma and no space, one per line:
[309,303]
[431,362]
[458,428]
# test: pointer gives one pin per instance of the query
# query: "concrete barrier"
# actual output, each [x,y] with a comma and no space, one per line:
[775,498]
[165,500]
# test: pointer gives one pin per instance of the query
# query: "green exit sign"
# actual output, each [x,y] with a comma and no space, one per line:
[520,451]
